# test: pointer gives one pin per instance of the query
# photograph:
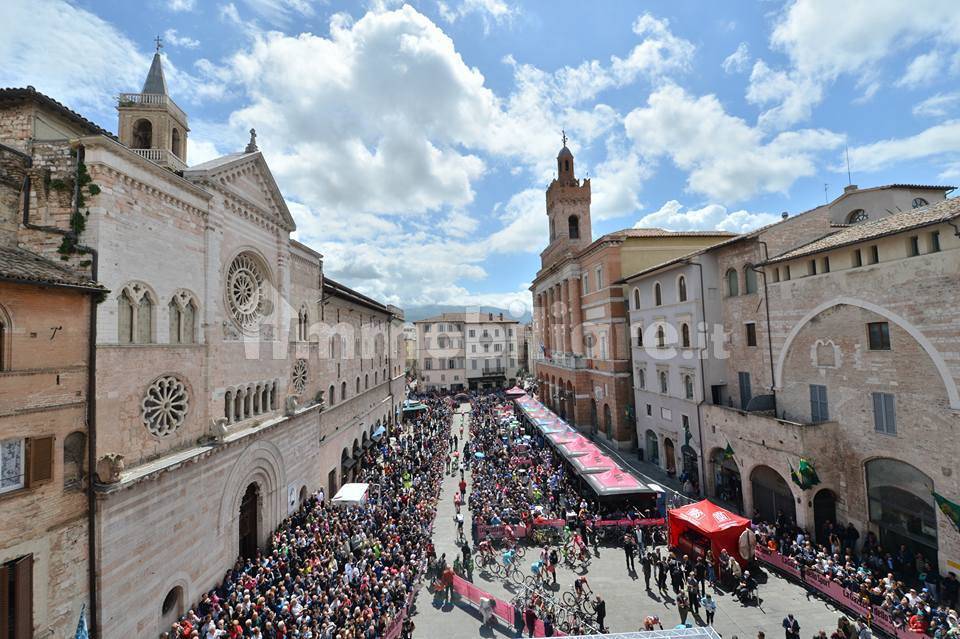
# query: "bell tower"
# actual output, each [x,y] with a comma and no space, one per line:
[151,123]
[568,209]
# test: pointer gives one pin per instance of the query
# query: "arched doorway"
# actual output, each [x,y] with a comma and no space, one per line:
[171,609]
[346,467]
[772,499]
[727,486]
[303,495]
[652,447]
[824,510]
[357,457]
[901,505]
[249,521]
[332,483]
[594,423]
[691,466]
[669,457]
[607,421]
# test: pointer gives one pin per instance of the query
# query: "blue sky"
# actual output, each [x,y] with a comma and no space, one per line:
[414,141]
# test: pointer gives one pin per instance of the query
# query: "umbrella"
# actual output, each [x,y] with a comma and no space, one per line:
[479,455]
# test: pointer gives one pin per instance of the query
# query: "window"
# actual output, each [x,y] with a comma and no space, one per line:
[664,387]
[641,378]
[786,272]
[343,391]
[486,348]
[688,386]
[934,245]
[913,246]
[426,328]
[25,463]
[857,258]
[473,364]
[496,332]
[636,299]
[473,333]
[826,265]
[874,254]
[331,398]
[442,328]
[3,340]
[749,280]
[497,348]
[74,454]
[818,404]
[573,227]
[657,294]
[649,410]
[509,332]
[857,215]
[682,289]
[452,363]
[751,334]
[685,335]
[473,348]
[812,267]
[640,336]
[183,315]
[746,393]
[884,413]
[661,338]
[918,202]
[12,460]
[879,336]
[16,598]
[366,381]
[599,277]
[733,283]
[776,274]
[586,284]
[357,391]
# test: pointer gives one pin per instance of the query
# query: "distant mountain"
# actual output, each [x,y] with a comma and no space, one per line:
[416,313]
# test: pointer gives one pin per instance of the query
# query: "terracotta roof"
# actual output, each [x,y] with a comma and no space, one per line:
[874,229]
[21,265]
[476,317]
[655,232]
[16,94]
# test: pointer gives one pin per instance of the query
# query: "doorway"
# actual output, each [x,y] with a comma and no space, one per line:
[249,521]
[332,483]
[669,457]
[772,499]
[824,510]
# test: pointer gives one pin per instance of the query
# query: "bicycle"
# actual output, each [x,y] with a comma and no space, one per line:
[546,537]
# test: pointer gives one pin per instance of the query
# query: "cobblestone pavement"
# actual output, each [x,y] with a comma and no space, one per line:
[627,600]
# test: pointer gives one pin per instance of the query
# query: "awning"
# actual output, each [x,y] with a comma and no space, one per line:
[580,446]
[616,482]
[377,434]
[414,407]
[516,391]
[593,463]
[351,495]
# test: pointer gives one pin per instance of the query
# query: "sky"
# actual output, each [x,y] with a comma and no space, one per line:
[414,141]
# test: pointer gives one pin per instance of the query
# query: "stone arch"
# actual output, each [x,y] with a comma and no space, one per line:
[951,387]
[6,339]
[636,298]
[681,288]
[176,143]
[262,463]
[142,134]
[776,493]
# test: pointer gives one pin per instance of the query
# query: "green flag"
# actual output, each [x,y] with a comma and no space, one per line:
[949,508]
[805,476]
[728,451]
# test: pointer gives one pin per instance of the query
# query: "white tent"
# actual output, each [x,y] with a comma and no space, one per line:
[351,495]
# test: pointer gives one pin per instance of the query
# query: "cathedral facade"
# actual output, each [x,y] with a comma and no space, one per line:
[233,379]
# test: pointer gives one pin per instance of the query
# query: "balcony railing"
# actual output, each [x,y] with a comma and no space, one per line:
[494,371]
[163,157]
[152,100]
[565,360]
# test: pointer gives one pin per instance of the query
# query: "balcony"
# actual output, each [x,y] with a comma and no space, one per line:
[162,157]
[565,360]
[494,371]
[157,100]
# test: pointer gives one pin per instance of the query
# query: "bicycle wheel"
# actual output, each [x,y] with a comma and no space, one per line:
[520,551]
[516,577]
[569,599]
[496,569]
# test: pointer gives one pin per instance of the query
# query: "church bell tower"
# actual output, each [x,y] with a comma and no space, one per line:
[568,208]
[151,123]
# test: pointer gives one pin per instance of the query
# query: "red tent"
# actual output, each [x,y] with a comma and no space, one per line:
[703,526]
[516,391]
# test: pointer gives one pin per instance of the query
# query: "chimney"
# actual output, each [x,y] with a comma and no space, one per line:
[501,317]
[490,317]
[784,215]
[850,187]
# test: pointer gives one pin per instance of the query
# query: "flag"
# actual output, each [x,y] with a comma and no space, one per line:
[728,451]
[82,632]
[949,508]
[805,476]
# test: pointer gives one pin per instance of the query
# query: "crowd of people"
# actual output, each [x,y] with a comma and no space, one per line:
[902,583]
[339,572]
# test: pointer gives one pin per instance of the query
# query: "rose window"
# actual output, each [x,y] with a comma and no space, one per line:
[300,375]
[165,406]
[245,291]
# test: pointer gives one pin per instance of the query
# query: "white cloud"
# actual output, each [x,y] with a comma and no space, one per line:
[793,93]
[861,34]
[707,218]
[726,159]
[172,38]
[617,182]
[937,105]
[280,12]
[496,11]
[459,224]
[922,70]
[181,5]
[951,172]
[936,140]
[525,227]
[737,61]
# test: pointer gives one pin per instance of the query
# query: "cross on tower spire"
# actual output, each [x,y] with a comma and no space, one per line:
[563,134]
[159,43]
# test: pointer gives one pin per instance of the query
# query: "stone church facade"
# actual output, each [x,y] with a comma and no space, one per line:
[232,378]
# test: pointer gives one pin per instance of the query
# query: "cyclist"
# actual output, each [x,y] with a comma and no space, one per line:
[580,585]
[508,556]
[538,568]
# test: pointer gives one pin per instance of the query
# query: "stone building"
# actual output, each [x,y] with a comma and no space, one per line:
[233,378]
[410,349]
[582,345]
[45,312]
[472,350]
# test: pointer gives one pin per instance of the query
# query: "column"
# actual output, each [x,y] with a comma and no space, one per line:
[548,329]
[540,327]
[576,318]
[565,314]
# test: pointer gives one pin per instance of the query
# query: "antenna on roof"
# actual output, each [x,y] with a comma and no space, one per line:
[846,151]
[826,199]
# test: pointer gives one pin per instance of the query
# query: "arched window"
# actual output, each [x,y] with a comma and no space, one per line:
[303,323]
[749,279]
[733,283]
[682,289]
[641,378]
[358,385]
[74,453]
[343,391]
[331,397]
[685,335]
[183,318]
[636,299]
[688,386]
[573,227]
[134,315]
[657,294]
[145,320]
[125,333]
[6,331]
[661,337]
[640,336]
[142,134]
[857,215]
[663,382]
[175,143]
[366,381]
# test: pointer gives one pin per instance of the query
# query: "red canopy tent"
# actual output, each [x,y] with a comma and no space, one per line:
[516,391]
[703,526]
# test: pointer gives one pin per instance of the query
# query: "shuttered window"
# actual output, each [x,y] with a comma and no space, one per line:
[818,404]
[40,460]
[884,413]
[16,598]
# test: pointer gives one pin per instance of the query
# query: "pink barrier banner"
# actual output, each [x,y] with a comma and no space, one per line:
[501,609]
[499,532]
[876,617]
[629,522]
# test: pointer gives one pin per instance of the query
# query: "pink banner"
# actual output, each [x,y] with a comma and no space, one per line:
[501,609]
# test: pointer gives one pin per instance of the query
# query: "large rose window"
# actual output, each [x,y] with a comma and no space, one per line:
[165,406]
[246,294]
